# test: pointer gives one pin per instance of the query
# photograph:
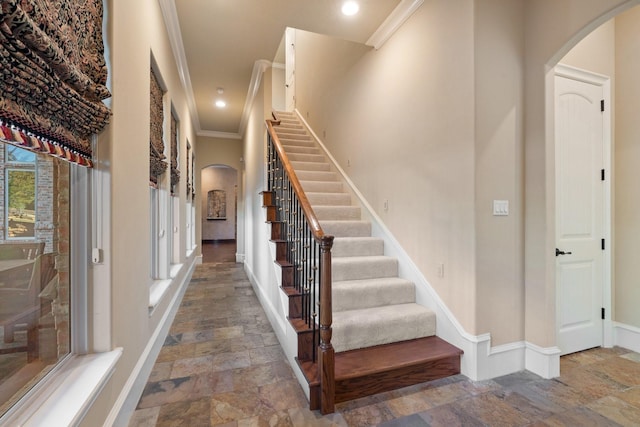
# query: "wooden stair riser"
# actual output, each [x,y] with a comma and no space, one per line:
[268,198]
[287,274]
[276,230]
[272,213]
[294,301]
[281,250]
[305,339]
[356,388]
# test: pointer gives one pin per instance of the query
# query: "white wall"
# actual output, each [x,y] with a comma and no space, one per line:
[278,89]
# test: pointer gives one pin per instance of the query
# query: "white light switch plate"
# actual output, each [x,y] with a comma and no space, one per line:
[500,207]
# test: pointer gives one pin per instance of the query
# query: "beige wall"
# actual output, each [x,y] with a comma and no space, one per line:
[219,178]
[134,30]
[627,170]
[552,28]
[449,115]
[219,151]
[402,117]
[499,113]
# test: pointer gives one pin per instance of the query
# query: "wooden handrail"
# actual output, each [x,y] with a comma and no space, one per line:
[326,356]
[314,224]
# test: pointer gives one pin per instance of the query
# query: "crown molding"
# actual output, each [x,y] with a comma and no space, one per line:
[172,24]
[400,14]
[221,135]
[259,67]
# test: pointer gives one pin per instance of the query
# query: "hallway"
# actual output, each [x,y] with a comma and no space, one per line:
[222,365]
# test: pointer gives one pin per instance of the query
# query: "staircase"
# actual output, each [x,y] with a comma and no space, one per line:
[383,340]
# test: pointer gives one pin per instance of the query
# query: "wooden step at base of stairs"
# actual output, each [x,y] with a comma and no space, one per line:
[368,371]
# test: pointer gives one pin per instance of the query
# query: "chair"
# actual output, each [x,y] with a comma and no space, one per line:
[21,250]
[20,307]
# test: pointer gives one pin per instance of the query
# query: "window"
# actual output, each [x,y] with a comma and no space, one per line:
[20,195]
[34,269]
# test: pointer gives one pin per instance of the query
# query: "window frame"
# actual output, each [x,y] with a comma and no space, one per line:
[67,391]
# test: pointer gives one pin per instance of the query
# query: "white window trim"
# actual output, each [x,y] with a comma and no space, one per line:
[64,395]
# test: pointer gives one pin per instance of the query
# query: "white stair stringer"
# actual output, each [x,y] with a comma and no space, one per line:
[371,304]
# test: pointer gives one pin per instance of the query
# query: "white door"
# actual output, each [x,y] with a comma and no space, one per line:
[290,68]
[580,208]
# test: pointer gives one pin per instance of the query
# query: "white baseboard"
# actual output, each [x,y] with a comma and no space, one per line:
[493,362]
[626,336]
[199,259]
[240,258]
[542,361]
[132,390]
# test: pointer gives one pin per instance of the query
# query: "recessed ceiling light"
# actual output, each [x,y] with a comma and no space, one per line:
[220,90]
[350,8]
[220,103]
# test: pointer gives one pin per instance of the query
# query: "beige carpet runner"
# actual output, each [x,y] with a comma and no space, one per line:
[371,304]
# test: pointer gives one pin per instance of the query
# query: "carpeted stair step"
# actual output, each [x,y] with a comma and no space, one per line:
[310,166]
[367,293]
[293,149]
[292,130]
[328,199]
[337,212]
[357,246]
[316,176]
[303,157]
[294,139]
[365,267]
[346,228]
[368,327]
[321,186]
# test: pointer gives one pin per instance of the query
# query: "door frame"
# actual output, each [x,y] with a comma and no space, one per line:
[574,73]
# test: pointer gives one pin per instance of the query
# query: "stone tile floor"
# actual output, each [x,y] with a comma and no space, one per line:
[221,364]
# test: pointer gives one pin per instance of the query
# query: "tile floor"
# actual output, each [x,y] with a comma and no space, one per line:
[221,365]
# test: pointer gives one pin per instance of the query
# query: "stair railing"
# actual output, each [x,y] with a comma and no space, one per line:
[308,251]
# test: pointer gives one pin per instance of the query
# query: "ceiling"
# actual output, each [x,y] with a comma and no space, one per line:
[218,44]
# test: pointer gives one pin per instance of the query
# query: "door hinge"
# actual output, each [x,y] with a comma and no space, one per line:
[602,313]
[602,244]
[602,105]
[602,174]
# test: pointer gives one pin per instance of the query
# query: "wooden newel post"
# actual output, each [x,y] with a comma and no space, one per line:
[326,353]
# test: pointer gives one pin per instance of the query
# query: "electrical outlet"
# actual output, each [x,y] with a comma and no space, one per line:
[386,205]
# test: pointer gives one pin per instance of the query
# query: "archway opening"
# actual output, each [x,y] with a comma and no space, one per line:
[219,217]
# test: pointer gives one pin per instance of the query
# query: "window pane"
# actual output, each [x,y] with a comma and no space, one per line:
[21,201]
[19,155]
[34,275]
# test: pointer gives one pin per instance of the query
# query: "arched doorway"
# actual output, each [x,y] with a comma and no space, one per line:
[598,46]
[219,218]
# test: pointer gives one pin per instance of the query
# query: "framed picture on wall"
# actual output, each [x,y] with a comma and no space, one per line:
[217,204]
